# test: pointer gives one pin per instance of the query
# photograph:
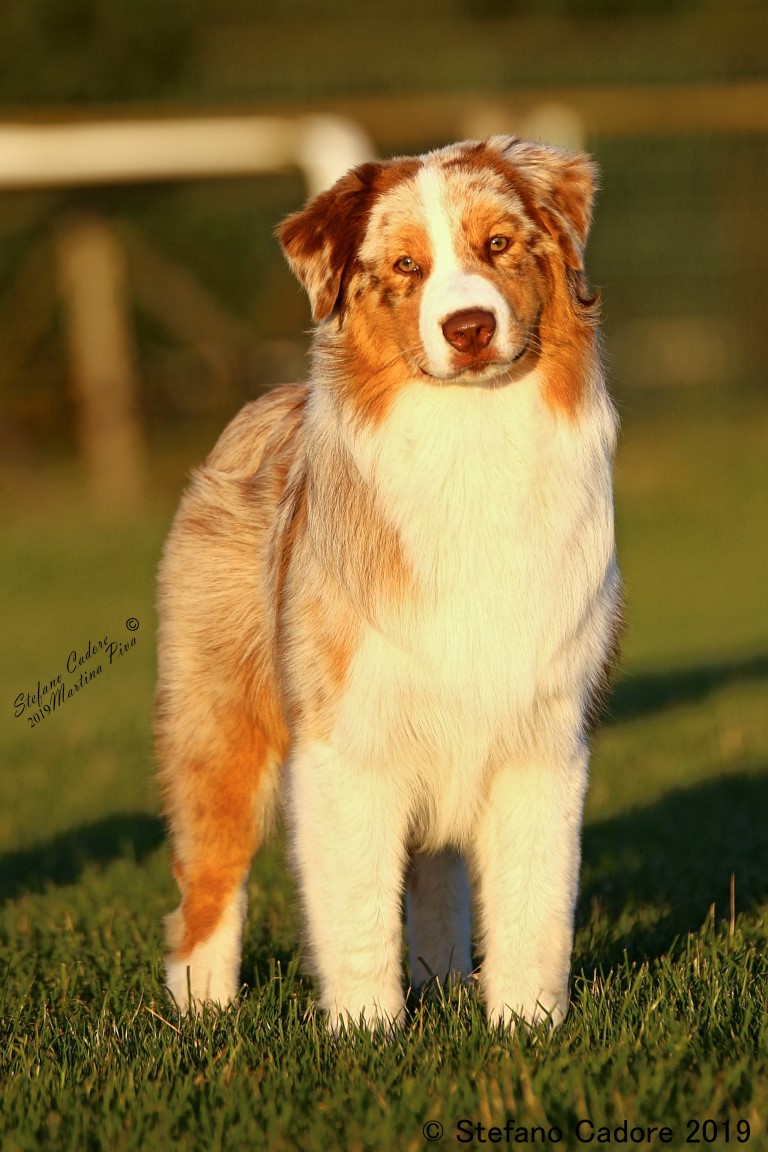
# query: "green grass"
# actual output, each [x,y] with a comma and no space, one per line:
[669,1017]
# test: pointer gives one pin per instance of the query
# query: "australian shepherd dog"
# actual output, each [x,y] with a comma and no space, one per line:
[390,595]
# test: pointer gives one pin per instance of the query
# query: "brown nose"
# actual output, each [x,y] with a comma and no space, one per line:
[470,331]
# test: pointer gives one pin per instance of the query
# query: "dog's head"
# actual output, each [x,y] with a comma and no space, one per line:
[464,265]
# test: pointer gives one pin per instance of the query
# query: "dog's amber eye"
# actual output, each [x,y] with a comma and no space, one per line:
[498,243]
[407,264]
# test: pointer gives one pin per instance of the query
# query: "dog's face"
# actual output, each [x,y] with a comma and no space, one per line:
[458,266]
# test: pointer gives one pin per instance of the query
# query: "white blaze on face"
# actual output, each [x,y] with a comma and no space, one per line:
[451,287]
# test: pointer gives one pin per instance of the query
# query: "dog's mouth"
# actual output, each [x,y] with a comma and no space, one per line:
[480,369]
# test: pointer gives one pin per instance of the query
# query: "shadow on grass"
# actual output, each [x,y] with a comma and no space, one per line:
[647,693]
[62,859]
[652,875]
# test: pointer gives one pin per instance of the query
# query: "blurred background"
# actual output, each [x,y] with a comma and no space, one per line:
[147,151]
[671,96]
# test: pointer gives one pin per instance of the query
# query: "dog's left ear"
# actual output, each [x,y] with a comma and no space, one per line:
[563,186]
[320,241]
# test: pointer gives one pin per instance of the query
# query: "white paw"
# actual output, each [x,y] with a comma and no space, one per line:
[542,1007]
[210,973]
[196,981]
[369,1013]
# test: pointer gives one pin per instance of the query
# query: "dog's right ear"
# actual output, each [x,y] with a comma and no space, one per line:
[320,241]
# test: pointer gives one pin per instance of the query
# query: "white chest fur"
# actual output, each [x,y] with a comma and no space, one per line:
[505,514]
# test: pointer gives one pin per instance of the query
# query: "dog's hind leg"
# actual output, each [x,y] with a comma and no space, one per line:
[219,795]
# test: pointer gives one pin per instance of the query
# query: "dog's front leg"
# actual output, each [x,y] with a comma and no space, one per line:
[527,856]
[349,829]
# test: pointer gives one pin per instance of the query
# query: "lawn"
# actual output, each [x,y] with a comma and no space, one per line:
[666,1041]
